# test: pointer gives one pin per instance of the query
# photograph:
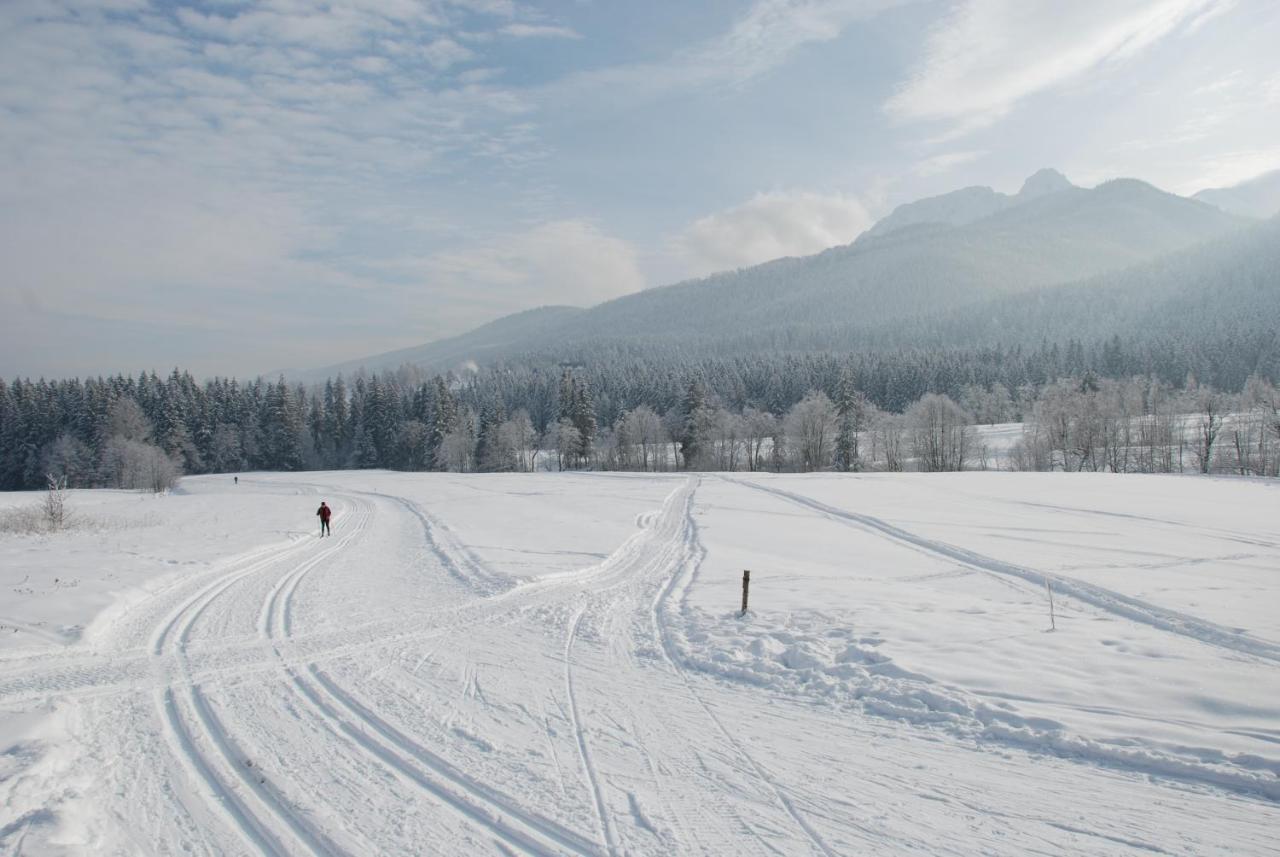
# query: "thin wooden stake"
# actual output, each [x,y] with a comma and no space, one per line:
[1053,623]
[746,584]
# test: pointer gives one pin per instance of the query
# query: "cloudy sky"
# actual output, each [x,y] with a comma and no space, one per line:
[238,186]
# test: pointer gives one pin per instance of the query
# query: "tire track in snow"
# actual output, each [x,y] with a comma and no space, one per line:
[476,803]
[1135,609]
[685,569]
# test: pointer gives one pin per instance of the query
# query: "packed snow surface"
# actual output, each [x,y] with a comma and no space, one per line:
[555,664]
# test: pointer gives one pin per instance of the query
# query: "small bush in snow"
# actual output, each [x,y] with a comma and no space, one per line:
[54,507]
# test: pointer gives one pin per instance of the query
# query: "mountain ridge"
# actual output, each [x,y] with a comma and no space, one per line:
[1051,233]
[1255,197]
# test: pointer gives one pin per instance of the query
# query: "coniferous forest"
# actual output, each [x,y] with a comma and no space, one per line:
[1086,407]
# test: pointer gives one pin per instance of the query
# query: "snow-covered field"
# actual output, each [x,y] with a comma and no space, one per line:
[553,663]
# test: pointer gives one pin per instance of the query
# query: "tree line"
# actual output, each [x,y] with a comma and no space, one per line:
[806,412]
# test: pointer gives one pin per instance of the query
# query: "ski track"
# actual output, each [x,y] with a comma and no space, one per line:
[1212,532]
[476,804]
[682,573]
[603,819]
[1242,777]
[188,732]
[1135,609]
[655,558]
[456,557]
[640,588]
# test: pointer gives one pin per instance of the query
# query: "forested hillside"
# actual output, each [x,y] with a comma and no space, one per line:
[1211,311]
[848,297]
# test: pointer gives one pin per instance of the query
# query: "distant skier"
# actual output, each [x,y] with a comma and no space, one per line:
[325,513]
[237,478]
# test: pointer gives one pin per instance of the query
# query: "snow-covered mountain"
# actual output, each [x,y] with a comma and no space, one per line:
[1257,197]
[942,253]
[968,204]
[1228,285]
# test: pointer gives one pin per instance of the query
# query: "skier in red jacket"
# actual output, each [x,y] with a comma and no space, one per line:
[325,513]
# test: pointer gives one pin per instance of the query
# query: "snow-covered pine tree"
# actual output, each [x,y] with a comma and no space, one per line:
[695,400]
[380,419]
[491,454]
[365,453]
[339,415]
[853,414]
[443,423]
[564,401]
[315,425]
[281,423]
[584,420]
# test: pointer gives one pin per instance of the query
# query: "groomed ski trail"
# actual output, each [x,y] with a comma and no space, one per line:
[190,722]
[579,720]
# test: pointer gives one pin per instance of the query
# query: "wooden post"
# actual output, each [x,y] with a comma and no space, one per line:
[1053,624]
[746,584]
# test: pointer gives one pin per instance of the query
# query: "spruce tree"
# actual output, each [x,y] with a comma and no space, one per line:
[365,453]
[850,411]
[565,400]
[281,429]
[690,436]
[584,420]
[340,417]
[444,422]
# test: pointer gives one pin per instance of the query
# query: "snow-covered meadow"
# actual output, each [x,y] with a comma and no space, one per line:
[554,663]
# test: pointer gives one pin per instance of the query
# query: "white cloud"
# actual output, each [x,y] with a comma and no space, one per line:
[561,262]
[371,65]
[540,31]
[989,54]
[770,226]
[159,245]
[938,164]
[443,53]
[764,38]
[207,162]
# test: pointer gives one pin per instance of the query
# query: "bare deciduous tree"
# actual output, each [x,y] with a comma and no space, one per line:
[888,434]
[55,503]
[759,428]
[642,433]
[811,429]
[940,434]
[516,436]
[137,466]
[1207,421]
